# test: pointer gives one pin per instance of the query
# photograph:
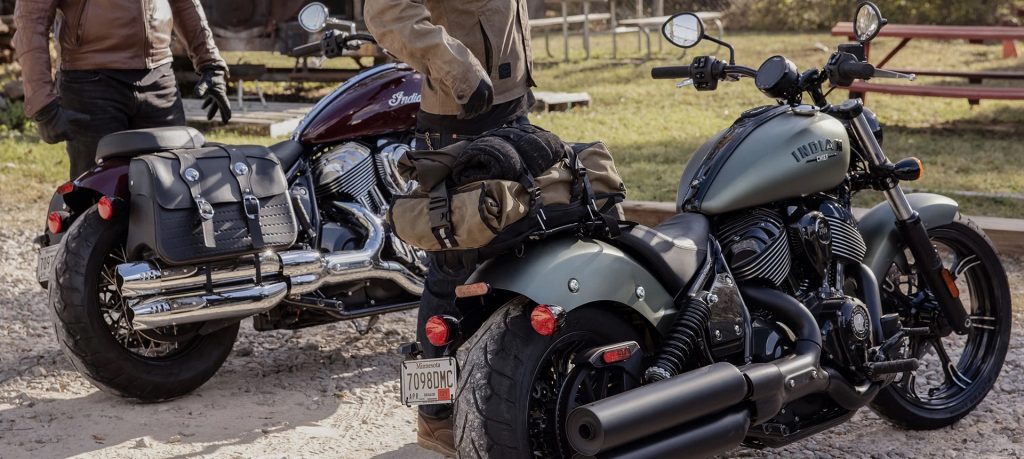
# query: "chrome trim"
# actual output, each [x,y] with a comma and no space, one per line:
[329,99]
[897,199]
[147,278]
[227,304]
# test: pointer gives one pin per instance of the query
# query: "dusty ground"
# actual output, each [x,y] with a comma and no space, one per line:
[328,392]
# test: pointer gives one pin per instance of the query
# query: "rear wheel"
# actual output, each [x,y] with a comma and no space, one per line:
[94,327]
[956,371]
[517,387]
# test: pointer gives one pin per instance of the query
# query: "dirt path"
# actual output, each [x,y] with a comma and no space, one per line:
[328,392]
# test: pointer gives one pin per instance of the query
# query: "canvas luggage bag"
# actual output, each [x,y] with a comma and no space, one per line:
[582,186]
[191,206]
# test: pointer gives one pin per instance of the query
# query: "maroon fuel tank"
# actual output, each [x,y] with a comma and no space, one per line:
[381,100]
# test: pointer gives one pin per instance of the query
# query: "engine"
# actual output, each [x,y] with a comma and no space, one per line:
[799,243]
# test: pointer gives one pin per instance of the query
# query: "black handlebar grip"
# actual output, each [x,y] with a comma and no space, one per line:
[309,49]
[670,73]
[861,70]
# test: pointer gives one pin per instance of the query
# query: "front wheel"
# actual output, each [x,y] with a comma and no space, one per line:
[94,327]
[956,371]
[517,387]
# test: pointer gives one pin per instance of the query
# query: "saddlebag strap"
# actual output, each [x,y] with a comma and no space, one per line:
[441,217]
[190,174]
[242,172]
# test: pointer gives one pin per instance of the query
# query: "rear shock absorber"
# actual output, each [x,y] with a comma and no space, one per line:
[686,335]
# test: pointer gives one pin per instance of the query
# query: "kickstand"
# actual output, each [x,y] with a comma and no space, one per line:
[364,327]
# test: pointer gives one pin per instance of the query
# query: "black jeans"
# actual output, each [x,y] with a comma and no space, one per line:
[116,100]
[447,270]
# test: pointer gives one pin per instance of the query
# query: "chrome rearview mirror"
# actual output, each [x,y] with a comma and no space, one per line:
[313,17]
[867,22]
[684,30]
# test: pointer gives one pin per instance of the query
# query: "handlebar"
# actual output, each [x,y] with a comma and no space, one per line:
[671,73]
[332,45]
[309,49]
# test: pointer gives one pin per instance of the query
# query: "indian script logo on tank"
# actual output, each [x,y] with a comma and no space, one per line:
[399,98]
[818,150]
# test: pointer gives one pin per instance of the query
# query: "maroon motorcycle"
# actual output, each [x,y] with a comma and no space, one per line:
[139,326]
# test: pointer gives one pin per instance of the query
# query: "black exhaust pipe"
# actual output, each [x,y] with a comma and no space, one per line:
[647,410]
[704,437]
[636,418]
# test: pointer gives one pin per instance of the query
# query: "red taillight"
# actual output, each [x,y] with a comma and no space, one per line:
[545,319]
[106,208]
[55,222]
[66,188]
[441,330]
[617,354]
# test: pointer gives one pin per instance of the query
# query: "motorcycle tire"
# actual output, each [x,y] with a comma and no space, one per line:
[80,315]
[504,366]
[975,370]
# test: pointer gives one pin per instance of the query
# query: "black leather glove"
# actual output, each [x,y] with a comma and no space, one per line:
[479,102]
[213,86]
[54,122]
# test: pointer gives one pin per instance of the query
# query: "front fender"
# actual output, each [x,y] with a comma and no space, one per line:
[878,227]
[602,272]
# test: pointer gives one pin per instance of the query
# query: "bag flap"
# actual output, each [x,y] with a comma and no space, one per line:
[430,167]
[216,181]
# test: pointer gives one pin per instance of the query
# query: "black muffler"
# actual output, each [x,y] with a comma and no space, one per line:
[702,408]
[645,411]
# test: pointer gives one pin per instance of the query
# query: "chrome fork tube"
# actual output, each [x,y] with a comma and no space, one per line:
[897,199]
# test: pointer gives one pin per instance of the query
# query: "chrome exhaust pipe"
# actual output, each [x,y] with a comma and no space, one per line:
[186,294]
[226,304]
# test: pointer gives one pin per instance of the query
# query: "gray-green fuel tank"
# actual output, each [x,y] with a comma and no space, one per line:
[778,154]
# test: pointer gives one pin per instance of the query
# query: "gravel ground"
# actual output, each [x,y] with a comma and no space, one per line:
[326,391]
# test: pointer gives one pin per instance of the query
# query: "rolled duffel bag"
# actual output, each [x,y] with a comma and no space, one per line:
[191,206]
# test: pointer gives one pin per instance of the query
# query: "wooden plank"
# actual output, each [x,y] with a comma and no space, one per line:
[659,20]
[983,74]
[1006,233]
[276,119]
[939,32]
[574,19]
[956,92]
[560,101]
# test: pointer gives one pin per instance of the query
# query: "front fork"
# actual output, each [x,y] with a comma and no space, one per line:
[937,278]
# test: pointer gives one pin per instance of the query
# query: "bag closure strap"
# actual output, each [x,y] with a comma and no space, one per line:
[190,174]
[242,172]
[440,214]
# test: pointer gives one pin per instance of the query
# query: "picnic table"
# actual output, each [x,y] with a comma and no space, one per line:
[973,34]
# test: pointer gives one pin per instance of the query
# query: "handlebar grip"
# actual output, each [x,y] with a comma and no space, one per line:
[670,73]
[309,49]
[860,70]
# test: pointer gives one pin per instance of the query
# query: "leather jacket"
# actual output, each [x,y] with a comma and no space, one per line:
[456,44]
[105,35]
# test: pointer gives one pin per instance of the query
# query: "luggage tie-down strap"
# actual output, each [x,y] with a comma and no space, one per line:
[190,174]
[242,172]
[441,217]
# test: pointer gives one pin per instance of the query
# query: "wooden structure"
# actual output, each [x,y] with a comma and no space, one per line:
[274,119]
[559,101]
[975,34]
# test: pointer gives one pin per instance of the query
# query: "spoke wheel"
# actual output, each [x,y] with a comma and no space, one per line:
[956,371]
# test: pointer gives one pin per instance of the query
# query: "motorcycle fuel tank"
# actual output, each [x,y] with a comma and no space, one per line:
[768,155]
[381,100]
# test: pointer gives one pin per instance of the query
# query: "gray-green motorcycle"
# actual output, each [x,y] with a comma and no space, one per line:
[762,313]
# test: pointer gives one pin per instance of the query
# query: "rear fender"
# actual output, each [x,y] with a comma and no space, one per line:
[878,227]
[109,178]
[603,274]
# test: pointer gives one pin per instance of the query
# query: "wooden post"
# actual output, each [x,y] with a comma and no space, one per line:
[586,28]
[565,29]
[1009,49]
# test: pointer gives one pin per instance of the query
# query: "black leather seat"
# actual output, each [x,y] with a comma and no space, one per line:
[288,152]
[673,251]
[126,144]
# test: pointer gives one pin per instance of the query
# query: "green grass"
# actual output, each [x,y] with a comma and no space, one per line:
[652,127]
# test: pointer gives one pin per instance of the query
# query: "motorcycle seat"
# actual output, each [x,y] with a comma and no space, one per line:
[288,152]
[673,250]
[126,144]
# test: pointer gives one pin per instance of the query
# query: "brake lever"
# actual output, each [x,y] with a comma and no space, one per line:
[684,83]
[882,73]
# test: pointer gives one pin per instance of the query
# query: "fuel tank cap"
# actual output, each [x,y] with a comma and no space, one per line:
[805,110]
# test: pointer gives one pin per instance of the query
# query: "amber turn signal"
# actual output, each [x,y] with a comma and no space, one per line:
[471,290]
[950,283]
[908,169]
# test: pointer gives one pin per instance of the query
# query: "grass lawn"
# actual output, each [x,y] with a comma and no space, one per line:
[652,127]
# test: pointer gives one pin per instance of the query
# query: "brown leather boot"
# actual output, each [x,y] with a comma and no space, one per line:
[436,435]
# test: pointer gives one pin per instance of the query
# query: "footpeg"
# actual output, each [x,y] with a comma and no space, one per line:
[875,369]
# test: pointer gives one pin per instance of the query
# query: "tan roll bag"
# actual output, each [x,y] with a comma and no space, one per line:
[497,211]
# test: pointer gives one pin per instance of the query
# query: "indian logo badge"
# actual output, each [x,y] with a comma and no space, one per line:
[399,98]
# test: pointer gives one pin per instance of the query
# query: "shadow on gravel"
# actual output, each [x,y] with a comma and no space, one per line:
[409,451]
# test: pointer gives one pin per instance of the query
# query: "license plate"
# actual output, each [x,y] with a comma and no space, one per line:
[428,381]
[46,256]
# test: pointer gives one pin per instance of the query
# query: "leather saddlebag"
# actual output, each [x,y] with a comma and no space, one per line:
[191,206]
